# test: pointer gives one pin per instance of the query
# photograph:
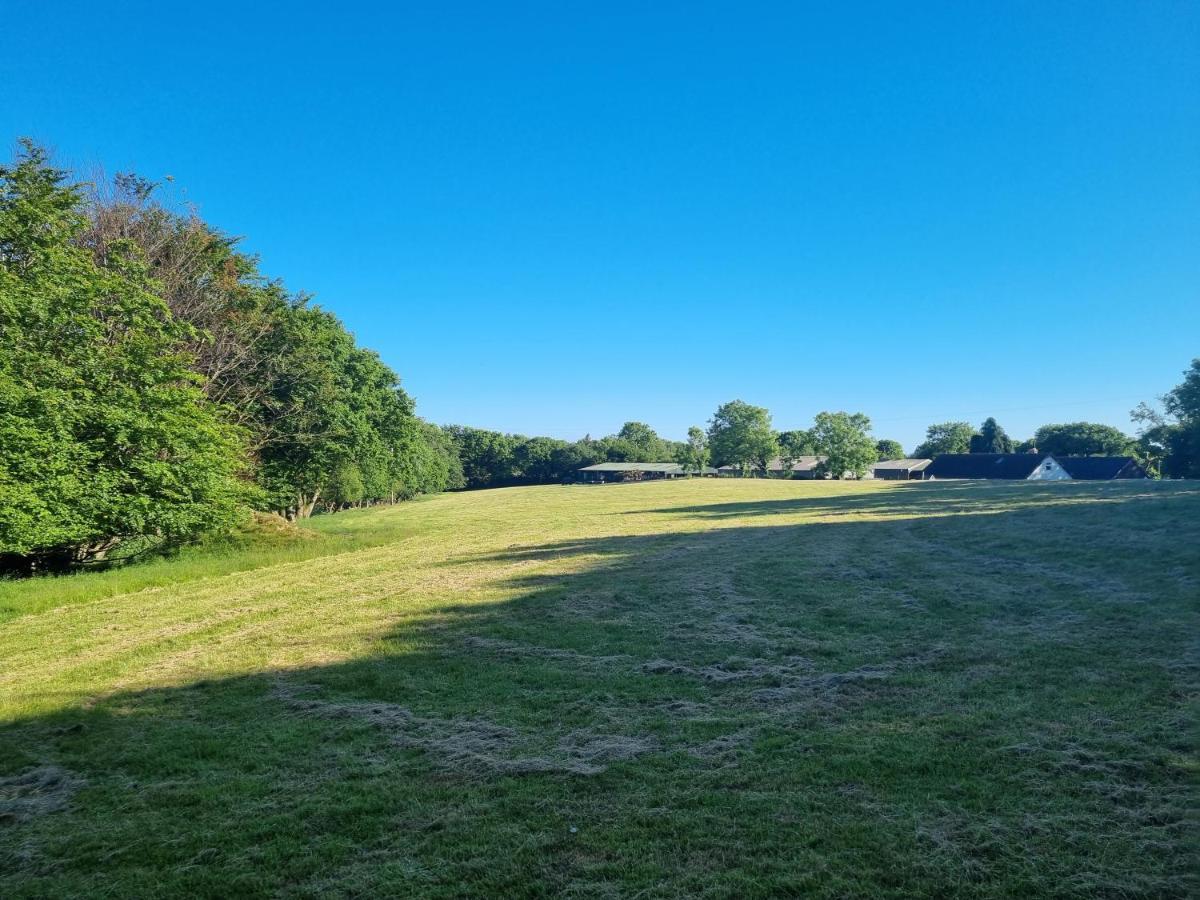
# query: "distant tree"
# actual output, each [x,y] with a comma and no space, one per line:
[888,449]
[648,446]
[693,454]
[844,439]
[486,456]
[568,459]
[617,449]
[793,445]
[991,439]
[740,434]
[1082,439]
[1026,447]
[1169,440]
[945,437]
[534,459]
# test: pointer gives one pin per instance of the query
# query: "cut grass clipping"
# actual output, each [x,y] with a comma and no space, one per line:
[699,688]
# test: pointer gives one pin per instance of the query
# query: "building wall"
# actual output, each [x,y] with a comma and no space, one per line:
[1049,470]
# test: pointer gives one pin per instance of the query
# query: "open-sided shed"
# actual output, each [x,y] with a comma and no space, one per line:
[900,469]
[638,471]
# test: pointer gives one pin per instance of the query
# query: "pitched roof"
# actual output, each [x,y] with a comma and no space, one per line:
[665,468]
[1101,468]
[799,464]
[912,465]
[984,465]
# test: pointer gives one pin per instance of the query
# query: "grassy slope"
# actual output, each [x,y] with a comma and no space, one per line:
[702,689]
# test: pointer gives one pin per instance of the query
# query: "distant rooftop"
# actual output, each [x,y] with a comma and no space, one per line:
[984,465]
[1101,468]
[664,468]
[913,465]
[799,464]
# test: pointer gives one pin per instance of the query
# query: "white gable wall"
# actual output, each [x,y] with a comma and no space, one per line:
[1049,470]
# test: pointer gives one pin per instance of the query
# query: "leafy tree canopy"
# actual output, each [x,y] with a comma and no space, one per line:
[1169,441]
[105,434]
[740,434]
[991,439]
[845,440]
[888,449]
[693,455]
[945,437]
[1082,439]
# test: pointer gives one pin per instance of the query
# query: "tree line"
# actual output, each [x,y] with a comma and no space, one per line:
[156,385]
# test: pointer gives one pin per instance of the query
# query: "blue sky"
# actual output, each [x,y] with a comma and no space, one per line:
[550,218]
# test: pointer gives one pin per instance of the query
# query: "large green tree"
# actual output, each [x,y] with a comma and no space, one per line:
[739,434]
[1082,439]
[945,437]
[105,433]
[991,439]
[844,439]
[647,445]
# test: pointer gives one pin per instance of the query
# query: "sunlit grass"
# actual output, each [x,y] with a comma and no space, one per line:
[705,688]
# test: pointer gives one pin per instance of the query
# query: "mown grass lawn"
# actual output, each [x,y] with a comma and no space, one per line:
[702,689]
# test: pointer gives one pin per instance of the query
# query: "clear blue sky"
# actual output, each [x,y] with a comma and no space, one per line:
[551,218]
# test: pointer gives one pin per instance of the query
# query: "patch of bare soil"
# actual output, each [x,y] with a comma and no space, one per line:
[37,792]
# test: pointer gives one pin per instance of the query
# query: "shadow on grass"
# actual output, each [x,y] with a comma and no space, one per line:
[985,705]
[932,498]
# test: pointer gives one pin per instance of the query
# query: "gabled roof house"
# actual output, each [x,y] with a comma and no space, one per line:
[1010,466]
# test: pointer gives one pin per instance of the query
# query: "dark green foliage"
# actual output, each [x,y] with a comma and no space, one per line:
[991,439]
[1169,441]
[793,445]
[153,382]
[1082,439]
[888,449]
[105,433]
[315,406]
[945,437]
[646,445]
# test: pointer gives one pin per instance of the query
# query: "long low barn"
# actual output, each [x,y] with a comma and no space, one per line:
[801,467]
[1033,467]
[638,471]
[900,469]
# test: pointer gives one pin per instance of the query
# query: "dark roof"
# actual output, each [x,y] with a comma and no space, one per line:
[1101,468]
[909,464]
[983,465]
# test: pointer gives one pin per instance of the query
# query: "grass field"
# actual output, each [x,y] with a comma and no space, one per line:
[702,689]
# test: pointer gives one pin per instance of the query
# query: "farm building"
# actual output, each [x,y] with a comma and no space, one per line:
[1010,466]
[1101,468]
[625,471]
[900,469]
[802,467]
